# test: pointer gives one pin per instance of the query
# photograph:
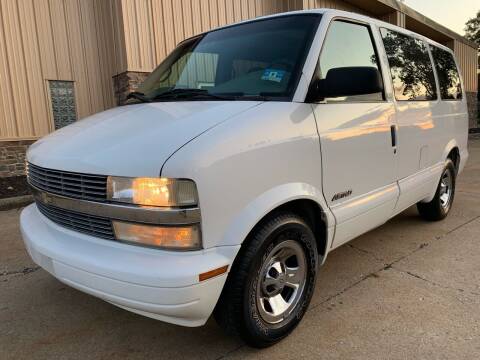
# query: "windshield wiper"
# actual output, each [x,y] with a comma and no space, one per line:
[190,94]
[259,97]
[197,94]
[203,93]
[137,95]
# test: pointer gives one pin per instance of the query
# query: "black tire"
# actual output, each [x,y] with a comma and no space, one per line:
[438,209]
[238,310]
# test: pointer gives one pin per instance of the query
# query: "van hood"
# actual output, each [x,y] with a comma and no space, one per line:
[133,140]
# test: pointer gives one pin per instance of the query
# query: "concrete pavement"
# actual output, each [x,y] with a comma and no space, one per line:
[407,290]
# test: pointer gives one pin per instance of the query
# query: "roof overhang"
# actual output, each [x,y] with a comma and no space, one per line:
[415,21]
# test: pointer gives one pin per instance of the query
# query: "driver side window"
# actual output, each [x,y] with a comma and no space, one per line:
[347,45]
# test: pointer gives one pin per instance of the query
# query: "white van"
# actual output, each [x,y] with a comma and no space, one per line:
[247,156]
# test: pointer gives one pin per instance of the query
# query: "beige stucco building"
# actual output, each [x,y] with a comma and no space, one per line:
[62,60]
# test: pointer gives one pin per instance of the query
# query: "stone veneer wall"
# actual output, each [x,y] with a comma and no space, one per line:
[125,83]
[12,157]
[473,110]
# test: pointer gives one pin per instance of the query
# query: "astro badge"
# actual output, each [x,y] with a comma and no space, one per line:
[273,75]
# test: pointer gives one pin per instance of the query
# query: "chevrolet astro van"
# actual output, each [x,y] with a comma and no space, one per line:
[247,156]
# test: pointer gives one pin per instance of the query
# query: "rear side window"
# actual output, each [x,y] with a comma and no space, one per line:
[448,76]
[348,45]
[410,67]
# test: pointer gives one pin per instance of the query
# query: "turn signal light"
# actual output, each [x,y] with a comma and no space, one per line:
[184,237]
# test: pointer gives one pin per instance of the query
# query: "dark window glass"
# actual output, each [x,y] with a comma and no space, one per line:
[259,58]
[348,45]
[448,77]
[410,65]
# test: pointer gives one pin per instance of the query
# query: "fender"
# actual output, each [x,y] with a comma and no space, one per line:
[245,221]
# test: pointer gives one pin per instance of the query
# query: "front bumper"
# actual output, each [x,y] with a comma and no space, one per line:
[160,284]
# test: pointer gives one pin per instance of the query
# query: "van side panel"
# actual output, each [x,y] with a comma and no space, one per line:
[427,132]
[358,165]
[449,121]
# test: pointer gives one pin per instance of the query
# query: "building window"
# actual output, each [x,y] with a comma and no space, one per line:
[62,94]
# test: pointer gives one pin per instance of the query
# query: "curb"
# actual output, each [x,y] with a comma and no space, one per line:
[15,202]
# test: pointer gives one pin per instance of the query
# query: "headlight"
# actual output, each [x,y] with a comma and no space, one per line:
[181,237]
[152,191]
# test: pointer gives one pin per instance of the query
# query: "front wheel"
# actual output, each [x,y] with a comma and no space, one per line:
[271,282]
[440,206]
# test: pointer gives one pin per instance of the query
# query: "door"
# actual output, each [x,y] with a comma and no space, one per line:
[420,133]
[358,155]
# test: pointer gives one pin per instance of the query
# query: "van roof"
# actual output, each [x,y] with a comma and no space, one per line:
[343,14]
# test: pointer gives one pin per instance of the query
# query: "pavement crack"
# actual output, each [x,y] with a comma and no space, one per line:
[24,271]
[390,265]
[344,290]
[230,352]
[373,274]
[460,226]
[420,247]
[367,253]
[410,273]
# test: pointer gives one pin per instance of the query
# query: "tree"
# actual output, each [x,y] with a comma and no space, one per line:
[472,29]
[472,33]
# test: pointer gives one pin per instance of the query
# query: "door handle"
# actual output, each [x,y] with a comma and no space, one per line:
[393,133]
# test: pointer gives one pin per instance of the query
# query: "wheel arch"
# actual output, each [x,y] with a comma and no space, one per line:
[454,155]
[314,216]
[301,199]
[452,151]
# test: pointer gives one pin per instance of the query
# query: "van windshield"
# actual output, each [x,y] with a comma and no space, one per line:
[256,60]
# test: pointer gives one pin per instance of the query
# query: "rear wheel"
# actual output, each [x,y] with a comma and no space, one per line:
[271,282]
[440,206]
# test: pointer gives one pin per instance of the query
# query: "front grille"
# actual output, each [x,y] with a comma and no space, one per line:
[87,224]
[69,184]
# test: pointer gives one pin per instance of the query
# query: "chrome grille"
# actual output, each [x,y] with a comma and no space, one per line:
[69,184]
[87,224]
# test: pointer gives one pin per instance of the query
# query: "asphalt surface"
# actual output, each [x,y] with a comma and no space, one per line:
[407,290]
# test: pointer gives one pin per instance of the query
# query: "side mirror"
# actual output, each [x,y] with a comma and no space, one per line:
[347,81]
